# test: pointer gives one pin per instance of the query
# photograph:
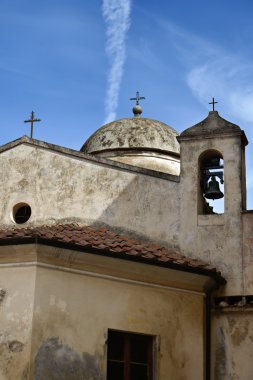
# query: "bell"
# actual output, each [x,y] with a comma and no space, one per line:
[213,190]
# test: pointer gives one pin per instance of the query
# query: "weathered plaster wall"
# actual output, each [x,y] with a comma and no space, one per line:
[149,160]
[214,238]
[57,186]
[232,345]
[74,311]
[16,311]
[247,218]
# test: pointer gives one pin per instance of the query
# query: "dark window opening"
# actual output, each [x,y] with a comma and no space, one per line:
[22,213]
[130,356]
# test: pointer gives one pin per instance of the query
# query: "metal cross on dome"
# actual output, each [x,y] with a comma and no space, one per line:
[32,120]
[138,98]
[213,103]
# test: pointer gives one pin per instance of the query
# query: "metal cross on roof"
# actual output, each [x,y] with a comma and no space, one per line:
[138,98]
[32,120]
[213,103]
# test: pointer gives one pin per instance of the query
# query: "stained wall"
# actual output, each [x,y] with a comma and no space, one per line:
[73,313]
[247,218]
[16,312]
[55,315]
[232,344]
[62,187]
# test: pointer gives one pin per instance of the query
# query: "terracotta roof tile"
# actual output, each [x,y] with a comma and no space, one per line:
[148,256]
[132,252]
[164,259]
[106,242]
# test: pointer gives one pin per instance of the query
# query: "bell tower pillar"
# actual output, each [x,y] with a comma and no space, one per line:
[213,196]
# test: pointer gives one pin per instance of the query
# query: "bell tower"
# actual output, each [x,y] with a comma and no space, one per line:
[213,173]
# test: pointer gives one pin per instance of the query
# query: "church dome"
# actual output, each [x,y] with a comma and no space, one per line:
[137,141]
[133,133]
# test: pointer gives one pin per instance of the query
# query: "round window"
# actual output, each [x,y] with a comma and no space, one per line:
[21,213]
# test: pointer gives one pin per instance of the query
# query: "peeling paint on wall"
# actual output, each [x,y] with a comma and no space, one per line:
[220,360]
[2,294]
[55,361]
[233,341]
[15,346]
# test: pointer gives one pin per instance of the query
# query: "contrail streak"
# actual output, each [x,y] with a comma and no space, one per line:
[117,18]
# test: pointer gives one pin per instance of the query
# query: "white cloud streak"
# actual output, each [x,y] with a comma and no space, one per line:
[213,71]
[116,14]
[229,80]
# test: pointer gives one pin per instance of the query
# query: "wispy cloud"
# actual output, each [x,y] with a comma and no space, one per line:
[117,18]
[211,70]
[189,46]
[227,78]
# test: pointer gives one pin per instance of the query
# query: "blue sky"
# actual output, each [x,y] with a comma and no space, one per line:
[63,59]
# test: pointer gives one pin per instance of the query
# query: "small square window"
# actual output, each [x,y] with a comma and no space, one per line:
[130,356]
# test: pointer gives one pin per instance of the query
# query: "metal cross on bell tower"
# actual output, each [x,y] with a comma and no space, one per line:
[213,103]
[32,120]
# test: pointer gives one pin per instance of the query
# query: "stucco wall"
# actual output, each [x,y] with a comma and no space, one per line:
[59,304]
[58,186]
[74,311]
[214,238]
[149,160]
[16,311]
[248,252]
[232,345]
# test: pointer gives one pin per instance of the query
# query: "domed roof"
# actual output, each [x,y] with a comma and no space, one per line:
[133,133]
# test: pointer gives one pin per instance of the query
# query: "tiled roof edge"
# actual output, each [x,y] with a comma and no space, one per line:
[107,243]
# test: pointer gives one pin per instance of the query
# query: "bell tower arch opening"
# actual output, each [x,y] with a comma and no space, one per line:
[211,183]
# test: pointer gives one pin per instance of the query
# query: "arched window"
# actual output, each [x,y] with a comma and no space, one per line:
[211,183]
